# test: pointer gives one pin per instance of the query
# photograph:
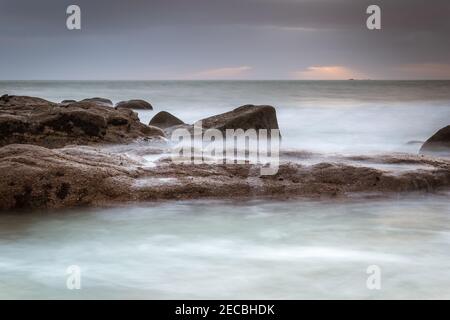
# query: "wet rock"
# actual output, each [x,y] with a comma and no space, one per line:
[11,124]
[4,98]
[67,102]
[103,102]
[67,120]
[414,142]
[134,104]
[34,177]
[37,121]
[11,100]
[165,120]
[244,117]
[438,143]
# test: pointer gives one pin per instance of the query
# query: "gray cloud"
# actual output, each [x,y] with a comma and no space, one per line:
[170,39]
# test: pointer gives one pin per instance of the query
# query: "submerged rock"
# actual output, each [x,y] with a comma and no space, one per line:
[165,120]
[438,143]
[244,117]
[37,121]
[68,101]
[103,102]
[414,142]
[134,104]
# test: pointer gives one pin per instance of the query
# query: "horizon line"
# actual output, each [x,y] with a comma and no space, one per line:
[215,80]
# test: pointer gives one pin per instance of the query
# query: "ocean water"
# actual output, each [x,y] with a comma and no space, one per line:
[225,250]
[257,248]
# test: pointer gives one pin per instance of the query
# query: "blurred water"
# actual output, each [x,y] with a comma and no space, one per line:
[321,116]
[210,249]
[255,249]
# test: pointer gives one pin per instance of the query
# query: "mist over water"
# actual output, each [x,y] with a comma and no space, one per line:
[211,249]
[320,116]
[256,249]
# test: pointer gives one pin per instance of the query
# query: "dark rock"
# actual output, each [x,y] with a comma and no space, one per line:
[22,100]
[118,120]
[66,102]
[99,101]
[36,177]
[10,124]
[36,121]
[413,142]
[438,143]
[91,123]
[63,191]
[245,117]
[134,104]
[4,98]
[165,120]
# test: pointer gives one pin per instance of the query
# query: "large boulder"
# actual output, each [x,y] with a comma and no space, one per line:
[103,102]
[37,121]
[134,104]
[26,101]
[244,117]
[438,143]
[165,120]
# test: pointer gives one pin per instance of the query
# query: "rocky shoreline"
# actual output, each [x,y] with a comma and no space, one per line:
[29,120]
[85,154]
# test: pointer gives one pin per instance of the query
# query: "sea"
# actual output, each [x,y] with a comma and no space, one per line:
[359,248]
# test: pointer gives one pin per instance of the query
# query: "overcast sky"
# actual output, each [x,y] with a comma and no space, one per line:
[224,39]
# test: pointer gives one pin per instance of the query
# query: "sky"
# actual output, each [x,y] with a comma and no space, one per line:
[224,39]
